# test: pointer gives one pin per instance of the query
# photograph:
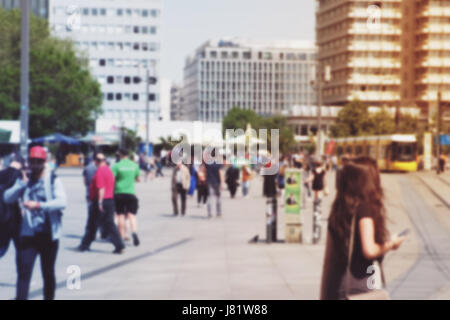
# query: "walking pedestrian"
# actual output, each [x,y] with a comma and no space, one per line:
[180,184]
[159,166]
[357,214]
[42,198]
[88,174]
[193,182]
[126,174]
[202,185]
[231,179]
[246,177]
[102,196]
[215,181]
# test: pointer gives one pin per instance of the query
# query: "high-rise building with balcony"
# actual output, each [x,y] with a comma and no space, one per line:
[267,77]
[363,51]
[393,53]
[121,39]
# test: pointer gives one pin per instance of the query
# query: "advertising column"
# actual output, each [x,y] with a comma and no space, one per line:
[292,200]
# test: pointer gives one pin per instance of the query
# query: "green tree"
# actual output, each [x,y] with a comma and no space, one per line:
[130,139]
[352,120]
[286,133]
[380,123]
[64,97]
[239,118]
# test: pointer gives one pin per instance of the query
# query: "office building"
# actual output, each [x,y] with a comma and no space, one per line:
[122,41]
[267,77]
[39,7]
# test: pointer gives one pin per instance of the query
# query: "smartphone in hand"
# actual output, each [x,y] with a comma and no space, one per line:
[403,233]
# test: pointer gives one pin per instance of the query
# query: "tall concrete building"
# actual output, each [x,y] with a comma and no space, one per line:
[176,100]
[393,53]
[38,7]
[122,40]
[267,77]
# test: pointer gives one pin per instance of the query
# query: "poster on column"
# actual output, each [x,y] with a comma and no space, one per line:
[292,196]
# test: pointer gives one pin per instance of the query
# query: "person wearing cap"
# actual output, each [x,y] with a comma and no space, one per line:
[42,198]
[101,194]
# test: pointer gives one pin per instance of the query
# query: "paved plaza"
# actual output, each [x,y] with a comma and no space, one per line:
[193,257]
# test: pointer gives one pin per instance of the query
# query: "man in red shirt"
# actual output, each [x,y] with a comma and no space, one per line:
[101,192]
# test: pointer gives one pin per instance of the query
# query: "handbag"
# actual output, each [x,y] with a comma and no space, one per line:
[375,294]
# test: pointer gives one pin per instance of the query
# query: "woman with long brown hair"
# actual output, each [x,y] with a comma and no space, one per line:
[360,197]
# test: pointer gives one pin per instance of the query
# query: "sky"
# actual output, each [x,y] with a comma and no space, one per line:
[187,24]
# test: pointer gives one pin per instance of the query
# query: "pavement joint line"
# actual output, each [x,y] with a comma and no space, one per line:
[91,274]
[434,192]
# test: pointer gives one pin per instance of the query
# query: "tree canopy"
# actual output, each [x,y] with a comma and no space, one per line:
[63,94]
[354,119]
[239,118]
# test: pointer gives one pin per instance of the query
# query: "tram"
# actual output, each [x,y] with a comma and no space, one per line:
[396,152]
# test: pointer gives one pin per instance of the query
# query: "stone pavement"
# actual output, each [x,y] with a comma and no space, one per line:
[193,257]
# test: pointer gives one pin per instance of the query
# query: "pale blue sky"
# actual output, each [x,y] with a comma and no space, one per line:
[189,23]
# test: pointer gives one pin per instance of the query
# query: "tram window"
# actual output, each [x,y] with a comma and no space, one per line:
[339,151]
[367,151]
[358,150]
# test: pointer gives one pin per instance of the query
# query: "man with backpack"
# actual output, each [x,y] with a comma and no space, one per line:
[42,198]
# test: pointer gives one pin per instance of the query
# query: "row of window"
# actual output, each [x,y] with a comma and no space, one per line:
[260,55]
[119,46]
[120,79]
[108,12]
[119,63]
[248,77]
[245,86]
[109,29]
[110,96]
[248,66]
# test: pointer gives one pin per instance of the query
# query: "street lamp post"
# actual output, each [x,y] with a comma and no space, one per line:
[438,131]
[322,78]
[147,111]
[24,76]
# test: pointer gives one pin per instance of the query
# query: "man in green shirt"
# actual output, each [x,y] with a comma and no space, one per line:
[126,173]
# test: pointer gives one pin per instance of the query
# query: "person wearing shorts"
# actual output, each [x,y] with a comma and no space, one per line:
[126,173]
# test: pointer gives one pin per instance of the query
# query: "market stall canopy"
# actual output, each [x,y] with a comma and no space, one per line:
[5,135]
[57,138]
[101,138]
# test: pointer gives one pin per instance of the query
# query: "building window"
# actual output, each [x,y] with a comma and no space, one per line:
[94,12]
[103,12]
[118,96]
[154,13]
[144,30]
[153,30]
[136,80]
[110,96]
[145,13]
[101,62]
[85,11]
[224,54]
[136,46]
[127,80]
[110,79]
[135,97]
[136,29]
[120,12]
